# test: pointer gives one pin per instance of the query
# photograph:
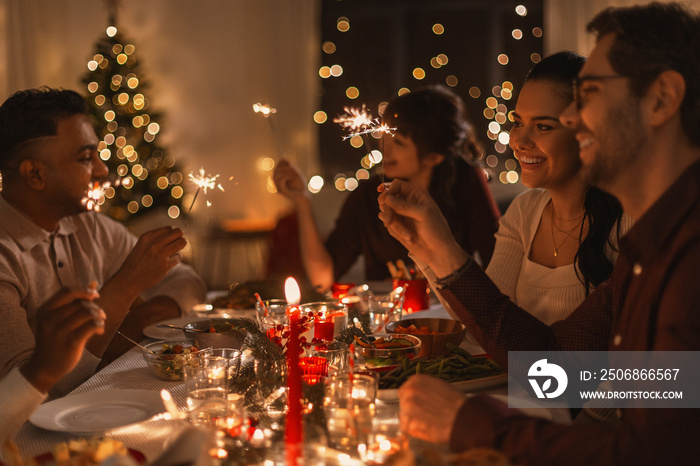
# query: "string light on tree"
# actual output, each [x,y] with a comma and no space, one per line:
[129,129]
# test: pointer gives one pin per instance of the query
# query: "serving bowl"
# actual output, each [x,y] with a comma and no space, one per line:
[434,344]
[215,333]
[166,358]
[387,351]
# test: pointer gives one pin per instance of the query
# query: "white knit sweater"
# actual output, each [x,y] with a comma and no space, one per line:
[548,294]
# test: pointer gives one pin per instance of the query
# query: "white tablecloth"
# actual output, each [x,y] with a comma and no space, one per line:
[131,372]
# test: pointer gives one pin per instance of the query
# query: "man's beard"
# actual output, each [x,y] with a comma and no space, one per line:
[619,147]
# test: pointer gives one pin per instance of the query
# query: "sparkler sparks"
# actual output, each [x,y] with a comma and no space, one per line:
[95,195]
[203,181]
[359,122]
[355,119]
[266,110]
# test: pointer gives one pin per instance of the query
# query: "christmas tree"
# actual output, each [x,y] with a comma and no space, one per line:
[148,177]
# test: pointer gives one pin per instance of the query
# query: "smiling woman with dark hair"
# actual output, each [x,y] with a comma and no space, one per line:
[558,240]
[434,147]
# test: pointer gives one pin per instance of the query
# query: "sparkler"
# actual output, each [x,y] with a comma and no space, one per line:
[93,199]
[203,182]
[359,122]
[95,195]
[266,111]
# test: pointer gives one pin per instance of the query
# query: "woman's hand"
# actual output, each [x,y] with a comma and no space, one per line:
[412,217]
[290,182]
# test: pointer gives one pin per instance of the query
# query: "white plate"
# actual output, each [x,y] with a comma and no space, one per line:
[159,333]
[392,394]
[97,411]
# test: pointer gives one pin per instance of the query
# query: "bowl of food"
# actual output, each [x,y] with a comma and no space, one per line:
[167,358]
[383,352]
[216,333]
[434,334]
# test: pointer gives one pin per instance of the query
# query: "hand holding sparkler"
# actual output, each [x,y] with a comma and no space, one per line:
[290,182]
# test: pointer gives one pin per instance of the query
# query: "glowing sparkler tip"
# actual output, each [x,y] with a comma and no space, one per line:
[355,119]
[266,110]
[204,181]
[95,195]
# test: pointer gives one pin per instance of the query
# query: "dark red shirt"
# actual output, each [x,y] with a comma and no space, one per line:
[650,302]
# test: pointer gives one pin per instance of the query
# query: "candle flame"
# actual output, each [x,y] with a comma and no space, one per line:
[291,291]
[266,110]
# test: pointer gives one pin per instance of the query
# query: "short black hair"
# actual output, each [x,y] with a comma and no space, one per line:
[34,113]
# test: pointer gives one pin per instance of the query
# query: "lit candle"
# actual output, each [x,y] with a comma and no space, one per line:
[293,427]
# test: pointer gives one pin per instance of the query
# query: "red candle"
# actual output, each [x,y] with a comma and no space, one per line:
[293,428]
[324,328]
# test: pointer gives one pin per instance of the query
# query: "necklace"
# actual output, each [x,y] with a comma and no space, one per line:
[568,233]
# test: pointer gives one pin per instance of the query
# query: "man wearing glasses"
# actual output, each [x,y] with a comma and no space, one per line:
[637,119]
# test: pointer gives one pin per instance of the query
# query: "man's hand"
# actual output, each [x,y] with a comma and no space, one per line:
[63,325]
[428,407]
[412,217]
[290,182]
[155,253]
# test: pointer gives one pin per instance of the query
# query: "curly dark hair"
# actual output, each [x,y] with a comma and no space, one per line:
[651,39]
[602,210]
[31,114]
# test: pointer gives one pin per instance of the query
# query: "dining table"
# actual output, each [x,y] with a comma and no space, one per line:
[153,436]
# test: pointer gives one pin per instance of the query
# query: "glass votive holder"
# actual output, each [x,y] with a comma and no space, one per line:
[341,290]
[385,441]
[417,294]
[328,319]
[313,365]
[335,352]
[271,313]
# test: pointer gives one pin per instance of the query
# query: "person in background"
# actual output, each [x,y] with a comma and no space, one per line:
[636,114]
[63,325]
[434,147]
[48,158]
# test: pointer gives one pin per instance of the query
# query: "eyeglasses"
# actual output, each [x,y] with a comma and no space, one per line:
[576,86]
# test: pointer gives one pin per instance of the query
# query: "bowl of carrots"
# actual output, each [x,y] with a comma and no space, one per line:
[434,334]
[382,352]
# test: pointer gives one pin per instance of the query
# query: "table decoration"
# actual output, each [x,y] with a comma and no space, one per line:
[328,319]
[293,433]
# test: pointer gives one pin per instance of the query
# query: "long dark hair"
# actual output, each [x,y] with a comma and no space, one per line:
[602,210]
[435,119]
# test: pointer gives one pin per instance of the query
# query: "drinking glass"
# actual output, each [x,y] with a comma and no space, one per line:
[272,314]
[382,310]
[349,405]
[206,383]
